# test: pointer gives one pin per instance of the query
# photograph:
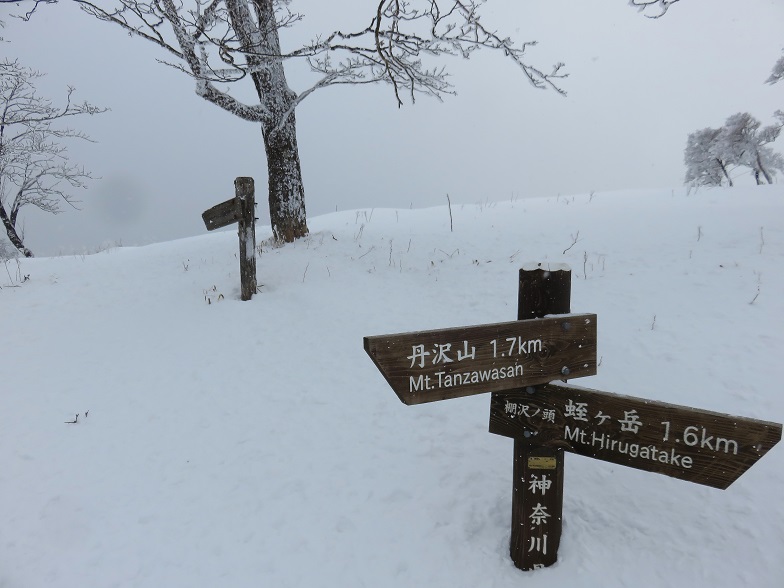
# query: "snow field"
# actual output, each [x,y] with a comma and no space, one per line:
[244,443]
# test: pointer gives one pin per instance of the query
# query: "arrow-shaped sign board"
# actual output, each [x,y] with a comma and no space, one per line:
[425,366]
[695,445]
[222,215]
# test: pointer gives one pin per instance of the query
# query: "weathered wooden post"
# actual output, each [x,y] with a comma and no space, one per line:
[518,362]
[246,203]
[537,487]
[241,210]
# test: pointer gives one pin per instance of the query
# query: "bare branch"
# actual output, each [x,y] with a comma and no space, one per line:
[30,12]
[391,49]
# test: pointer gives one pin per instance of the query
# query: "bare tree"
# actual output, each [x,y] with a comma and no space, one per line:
[224,42]
[34,166]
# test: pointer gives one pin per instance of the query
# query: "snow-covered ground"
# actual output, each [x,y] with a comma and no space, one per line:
[239,444]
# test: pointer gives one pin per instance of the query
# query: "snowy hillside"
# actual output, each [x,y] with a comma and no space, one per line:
[245,444]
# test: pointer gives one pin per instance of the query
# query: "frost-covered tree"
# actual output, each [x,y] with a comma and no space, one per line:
[224,44]
[711,153]
[705,164]
[777,74]
[34,166]
[743,142]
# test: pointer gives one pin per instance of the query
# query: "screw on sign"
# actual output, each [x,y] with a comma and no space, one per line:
[515,361]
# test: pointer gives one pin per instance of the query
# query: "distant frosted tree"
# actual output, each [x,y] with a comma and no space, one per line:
[777,74]
[705,164]
[743,142]
[711,153]
[34,166]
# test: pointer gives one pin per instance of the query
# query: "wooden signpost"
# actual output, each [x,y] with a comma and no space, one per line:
[450,363]
[240,210]
[693,445]
[515,361]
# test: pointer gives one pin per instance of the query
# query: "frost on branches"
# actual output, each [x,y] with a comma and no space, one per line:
[662,5]
[223,42]
[705,164]
[711,154]
[34,167]
[777,74]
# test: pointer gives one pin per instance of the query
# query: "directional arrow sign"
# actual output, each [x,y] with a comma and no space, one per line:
[435,365]
[694,445]
[221,215]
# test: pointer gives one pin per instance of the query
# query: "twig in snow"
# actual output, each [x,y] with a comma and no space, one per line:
[368,251]
[449,255]
[759,282]
[8,272]
[762,239]
[305,272]
[449,203]
[76,420]
[575,238]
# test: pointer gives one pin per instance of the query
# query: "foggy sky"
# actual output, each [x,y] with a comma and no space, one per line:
[637,88]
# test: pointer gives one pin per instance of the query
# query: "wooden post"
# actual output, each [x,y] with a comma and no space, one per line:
[545,418]
[537,488]
[241,210]
[246,229]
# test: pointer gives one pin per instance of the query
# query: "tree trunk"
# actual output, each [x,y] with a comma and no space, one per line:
[286,192]
[257,31]
[13,236]
[763,170]
[724,171]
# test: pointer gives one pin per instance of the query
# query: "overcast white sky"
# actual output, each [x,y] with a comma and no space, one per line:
[637,87]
